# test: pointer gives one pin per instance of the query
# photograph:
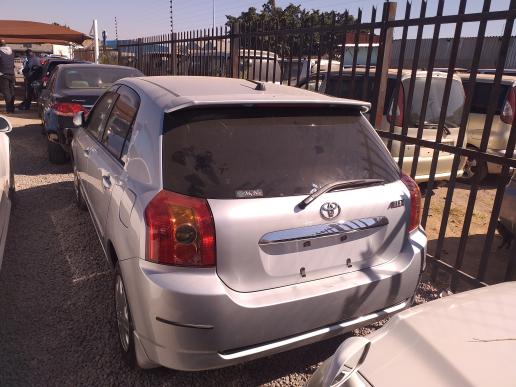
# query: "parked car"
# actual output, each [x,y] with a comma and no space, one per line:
[340,85]
[73,88]
[500,128]
[49,64]
[295,69]
[465,339]
[507,218]
[6,182]
[243,218]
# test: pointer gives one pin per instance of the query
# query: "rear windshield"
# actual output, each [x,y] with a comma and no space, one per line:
[435,102]
[93,77]
[225,153]
[481,95]
[52,64]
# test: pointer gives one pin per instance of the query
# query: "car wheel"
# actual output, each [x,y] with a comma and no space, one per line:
[79,199]
[474,169]
[124,320]
[56,154]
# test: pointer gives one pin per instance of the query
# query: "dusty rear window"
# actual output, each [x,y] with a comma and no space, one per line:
[244,152]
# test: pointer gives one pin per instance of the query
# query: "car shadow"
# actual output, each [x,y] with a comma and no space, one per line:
[29,152]
[498,262]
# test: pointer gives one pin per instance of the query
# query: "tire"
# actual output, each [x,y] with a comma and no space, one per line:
[56,154]
[79,199]
[124,320]
[474,170]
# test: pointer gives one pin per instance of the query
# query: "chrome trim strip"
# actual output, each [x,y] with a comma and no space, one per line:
[323,230]
[182,325]
[330,329]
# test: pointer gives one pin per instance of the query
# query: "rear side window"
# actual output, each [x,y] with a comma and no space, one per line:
[119,126]
[225,153]
[481,95]
[98,117]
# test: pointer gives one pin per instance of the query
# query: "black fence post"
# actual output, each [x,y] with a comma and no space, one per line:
[235,50]
[173,47]
[117,53]
[383,63]
[139,57]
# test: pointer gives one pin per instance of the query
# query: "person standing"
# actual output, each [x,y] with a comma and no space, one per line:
[31,71]
[7,78]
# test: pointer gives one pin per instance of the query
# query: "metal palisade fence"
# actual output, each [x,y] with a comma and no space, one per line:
[354,58]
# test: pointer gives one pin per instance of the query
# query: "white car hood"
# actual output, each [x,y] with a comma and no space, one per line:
[468,339]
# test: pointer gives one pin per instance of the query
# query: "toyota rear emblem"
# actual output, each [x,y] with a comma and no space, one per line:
[330,210]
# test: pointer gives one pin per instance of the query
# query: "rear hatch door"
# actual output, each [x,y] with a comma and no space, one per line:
[256,164]
[433,111]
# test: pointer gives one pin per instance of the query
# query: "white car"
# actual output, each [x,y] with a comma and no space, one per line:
[6,182]
[468,339]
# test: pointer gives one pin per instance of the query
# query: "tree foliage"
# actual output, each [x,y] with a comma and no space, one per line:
[293,16]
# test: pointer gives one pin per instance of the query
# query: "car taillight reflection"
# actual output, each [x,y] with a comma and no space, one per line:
[180,230]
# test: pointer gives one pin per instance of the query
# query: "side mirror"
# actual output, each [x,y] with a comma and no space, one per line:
[78,119]
[346,360]
[5,125]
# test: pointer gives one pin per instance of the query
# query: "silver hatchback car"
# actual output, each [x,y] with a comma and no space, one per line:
[243,219]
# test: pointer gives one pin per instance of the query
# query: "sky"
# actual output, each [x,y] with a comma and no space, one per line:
[138,18]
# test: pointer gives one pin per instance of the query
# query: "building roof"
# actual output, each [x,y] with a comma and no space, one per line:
[21,31]
[170,92]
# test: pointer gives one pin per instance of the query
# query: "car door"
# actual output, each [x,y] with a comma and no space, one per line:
[105,166]
[87,139]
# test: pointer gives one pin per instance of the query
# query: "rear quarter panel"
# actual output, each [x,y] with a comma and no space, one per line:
[144,181]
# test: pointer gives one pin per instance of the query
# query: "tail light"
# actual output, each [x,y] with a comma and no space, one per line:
[508,109]
[180,230]
[395,114]
[415,202]
[67,109]
[44,80]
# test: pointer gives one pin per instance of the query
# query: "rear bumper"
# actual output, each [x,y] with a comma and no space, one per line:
[443,170]
[187,319]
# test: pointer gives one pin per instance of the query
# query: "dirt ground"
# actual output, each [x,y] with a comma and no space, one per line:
[499,257]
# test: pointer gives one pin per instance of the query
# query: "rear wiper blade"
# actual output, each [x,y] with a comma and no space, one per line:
[338,185]
[435,126]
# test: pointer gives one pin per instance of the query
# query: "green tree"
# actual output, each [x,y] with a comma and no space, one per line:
[272,17]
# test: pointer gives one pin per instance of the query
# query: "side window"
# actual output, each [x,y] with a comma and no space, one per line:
[52,81]
[119,127]
[100,113]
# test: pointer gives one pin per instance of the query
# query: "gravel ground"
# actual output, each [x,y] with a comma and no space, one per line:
[56,325]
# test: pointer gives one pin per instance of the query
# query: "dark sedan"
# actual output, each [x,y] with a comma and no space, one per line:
[47,68]
[73,88]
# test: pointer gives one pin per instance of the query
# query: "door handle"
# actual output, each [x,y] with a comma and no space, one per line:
[87,152]
[106,182]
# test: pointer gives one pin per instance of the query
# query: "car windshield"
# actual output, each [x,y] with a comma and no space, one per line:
[435,102]
[224,153]
[94,77]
